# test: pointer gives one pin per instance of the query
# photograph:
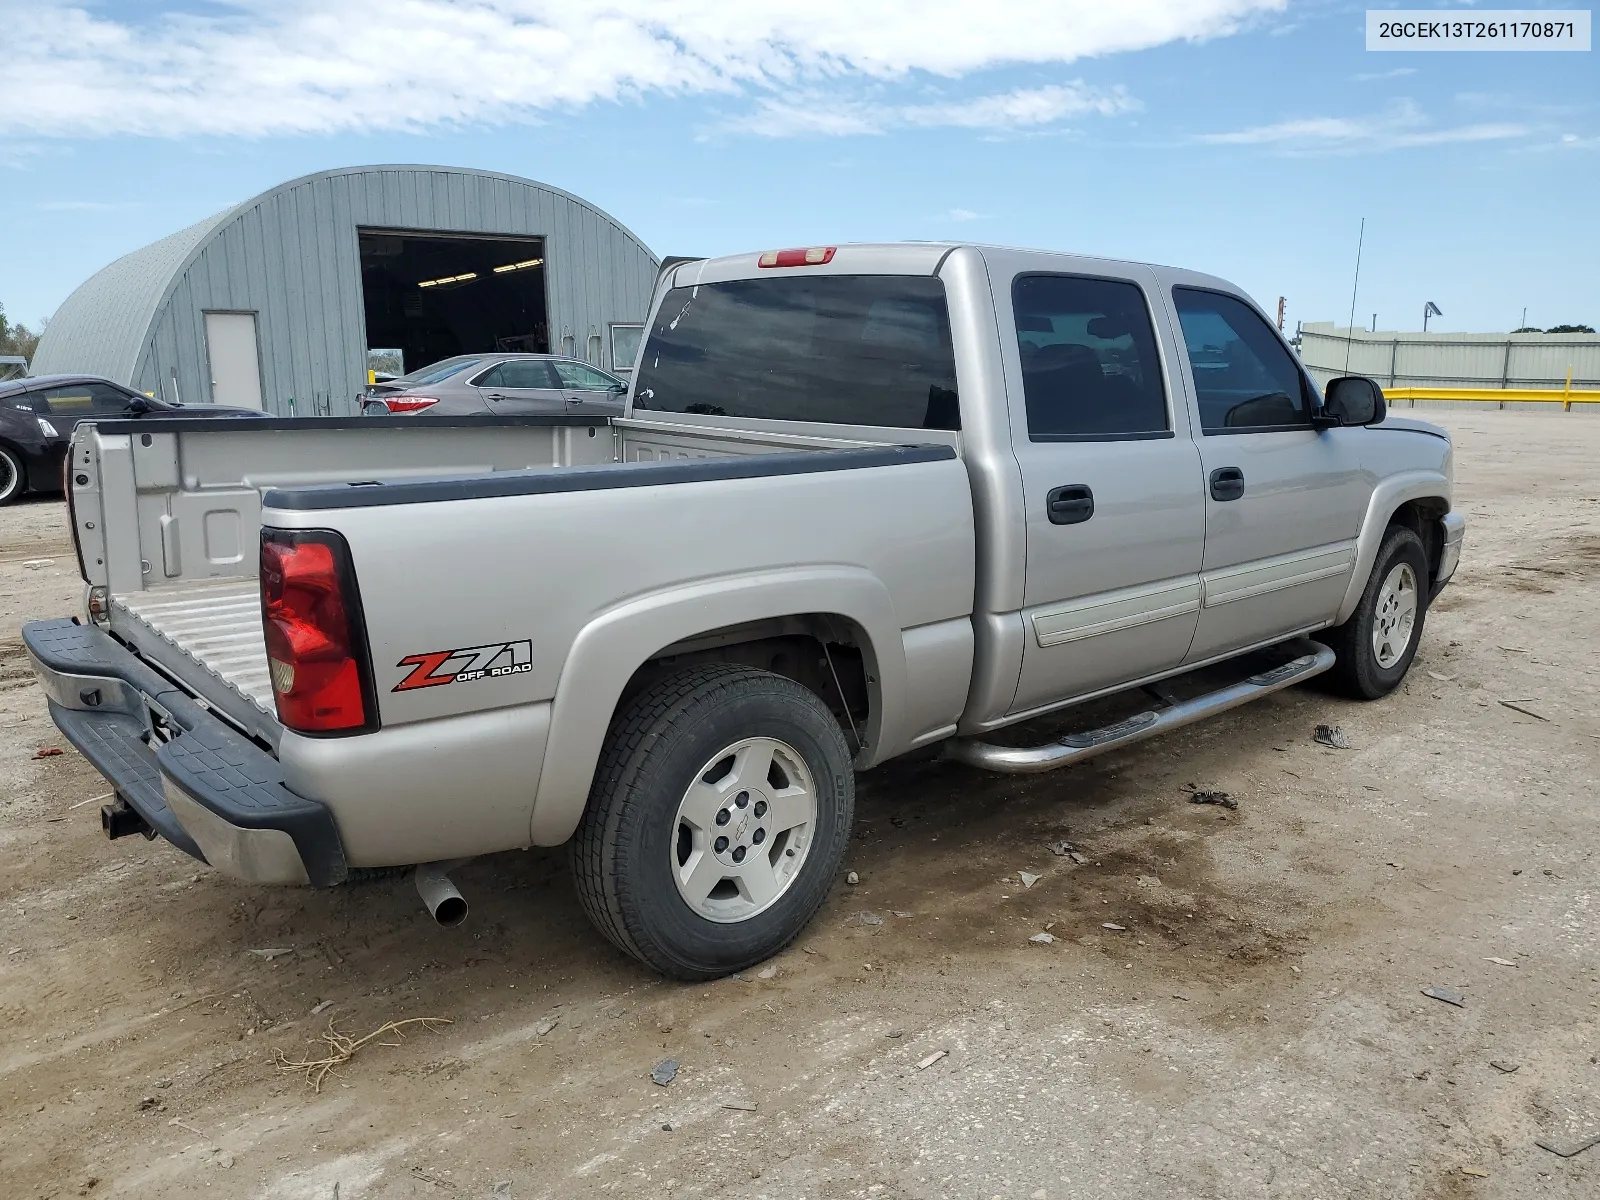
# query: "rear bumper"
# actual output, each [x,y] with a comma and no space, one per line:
[195,780]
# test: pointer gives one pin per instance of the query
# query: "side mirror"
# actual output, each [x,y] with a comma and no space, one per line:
[1353,400]
[138,406]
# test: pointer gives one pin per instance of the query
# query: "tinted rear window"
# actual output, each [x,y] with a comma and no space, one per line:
[839,349]
[439,371]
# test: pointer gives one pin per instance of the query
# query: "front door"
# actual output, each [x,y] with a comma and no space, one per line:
[520,386]
[585,385]
[235,363]
[1111,481]
[1284,501]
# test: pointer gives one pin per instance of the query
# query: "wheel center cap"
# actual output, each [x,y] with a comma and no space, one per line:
[745,829]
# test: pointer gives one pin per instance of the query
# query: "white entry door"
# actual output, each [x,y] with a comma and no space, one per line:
[235,366]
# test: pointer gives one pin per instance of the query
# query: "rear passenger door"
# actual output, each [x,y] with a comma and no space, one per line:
[1111,479]
[1284,501]
[520,386]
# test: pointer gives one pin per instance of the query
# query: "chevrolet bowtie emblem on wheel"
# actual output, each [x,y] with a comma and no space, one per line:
[466,665]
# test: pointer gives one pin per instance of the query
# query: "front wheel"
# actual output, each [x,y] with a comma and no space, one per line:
[1376,645]
[719,814]
[13,478]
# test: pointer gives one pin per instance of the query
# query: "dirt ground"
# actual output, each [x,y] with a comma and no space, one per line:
[1232,1006]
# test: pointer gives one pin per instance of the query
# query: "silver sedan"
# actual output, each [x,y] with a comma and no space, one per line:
[498,384]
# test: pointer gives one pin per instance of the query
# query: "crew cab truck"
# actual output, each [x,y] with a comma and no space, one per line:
[862,500]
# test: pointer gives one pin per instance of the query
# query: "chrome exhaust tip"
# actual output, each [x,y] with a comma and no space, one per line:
[445,904]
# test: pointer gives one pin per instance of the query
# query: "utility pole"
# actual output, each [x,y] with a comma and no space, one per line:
[1283,304]
[1524,323]
[1374,322]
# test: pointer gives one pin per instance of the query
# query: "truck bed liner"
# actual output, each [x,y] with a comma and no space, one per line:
[215,625]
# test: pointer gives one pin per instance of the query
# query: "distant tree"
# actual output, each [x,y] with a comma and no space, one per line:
[389,362]
[1528,329]
[16,339]
[1570,329]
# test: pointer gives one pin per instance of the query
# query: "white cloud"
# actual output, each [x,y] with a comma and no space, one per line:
[1021,109]
[1403,127]
[816,113]
[962,214]
[269,67]
[20,156]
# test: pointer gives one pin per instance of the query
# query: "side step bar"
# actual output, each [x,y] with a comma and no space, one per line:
[1075,747]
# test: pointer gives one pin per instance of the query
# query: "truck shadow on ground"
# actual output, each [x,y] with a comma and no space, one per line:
[940,851]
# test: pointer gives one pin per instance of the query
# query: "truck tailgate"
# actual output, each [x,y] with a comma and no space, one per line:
[208,635]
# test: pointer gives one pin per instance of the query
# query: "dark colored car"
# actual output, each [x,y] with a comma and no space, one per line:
[37,417]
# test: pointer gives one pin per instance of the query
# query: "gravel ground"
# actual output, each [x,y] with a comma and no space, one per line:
[1232,1005]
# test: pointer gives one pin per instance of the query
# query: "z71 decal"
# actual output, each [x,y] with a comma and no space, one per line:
[467,665]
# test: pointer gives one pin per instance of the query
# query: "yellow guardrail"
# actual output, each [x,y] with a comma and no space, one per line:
[1566,397]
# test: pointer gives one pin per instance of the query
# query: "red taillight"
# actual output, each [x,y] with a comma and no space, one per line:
[814,256]
[409,404]
[311,619]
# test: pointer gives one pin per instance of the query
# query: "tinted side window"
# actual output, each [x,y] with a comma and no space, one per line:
[1244,377]
[841,349]
[1090,368]
[581,378]
[527,373]
[81,400]
[489,379]
[440,371]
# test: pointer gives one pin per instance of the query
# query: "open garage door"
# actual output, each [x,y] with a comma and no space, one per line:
[434,295]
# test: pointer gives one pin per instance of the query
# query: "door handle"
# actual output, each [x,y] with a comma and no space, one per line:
[1227,483]
[1070,505]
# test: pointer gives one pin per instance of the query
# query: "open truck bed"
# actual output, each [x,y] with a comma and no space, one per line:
[207,634]
[167,513]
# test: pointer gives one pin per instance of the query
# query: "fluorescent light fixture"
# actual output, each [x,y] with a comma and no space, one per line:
[521,266]
[448,279]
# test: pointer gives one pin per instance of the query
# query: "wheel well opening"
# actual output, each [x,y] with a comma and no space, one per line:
[1422,518]
[824,653]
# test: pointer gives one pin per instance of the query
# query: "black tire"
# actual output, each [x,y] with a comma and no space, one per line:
[13,476]
[622,852]
[1358,672]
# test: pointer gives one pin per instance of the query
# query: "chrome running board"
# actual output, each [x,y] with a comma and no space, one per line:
[1075,747]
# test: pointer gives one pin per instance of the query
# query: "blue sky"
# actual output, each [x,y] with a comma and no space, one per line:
[1242,137]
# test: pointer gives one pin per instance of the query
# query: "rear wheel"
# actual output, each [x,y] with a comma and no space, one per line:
[719,813]
[13,479]
[1376,645]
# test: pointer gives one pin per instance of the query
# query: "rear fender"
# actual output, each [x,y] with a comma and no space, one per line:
[610,648]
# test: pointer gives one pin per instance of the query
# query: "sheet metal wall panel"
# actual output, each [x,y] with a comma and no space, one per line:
[103,326]
[292,256]
[1466,360]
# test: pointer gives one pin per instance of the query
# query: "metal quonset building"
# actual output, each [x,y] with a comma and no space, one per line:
[275,302]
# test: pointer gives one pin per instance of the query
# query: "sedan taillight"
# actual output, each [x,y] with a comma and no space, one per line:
[405,403]
[311,616]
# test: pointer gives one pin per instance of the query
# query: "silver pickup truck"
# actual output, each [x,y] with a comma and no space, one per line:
[863,500]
